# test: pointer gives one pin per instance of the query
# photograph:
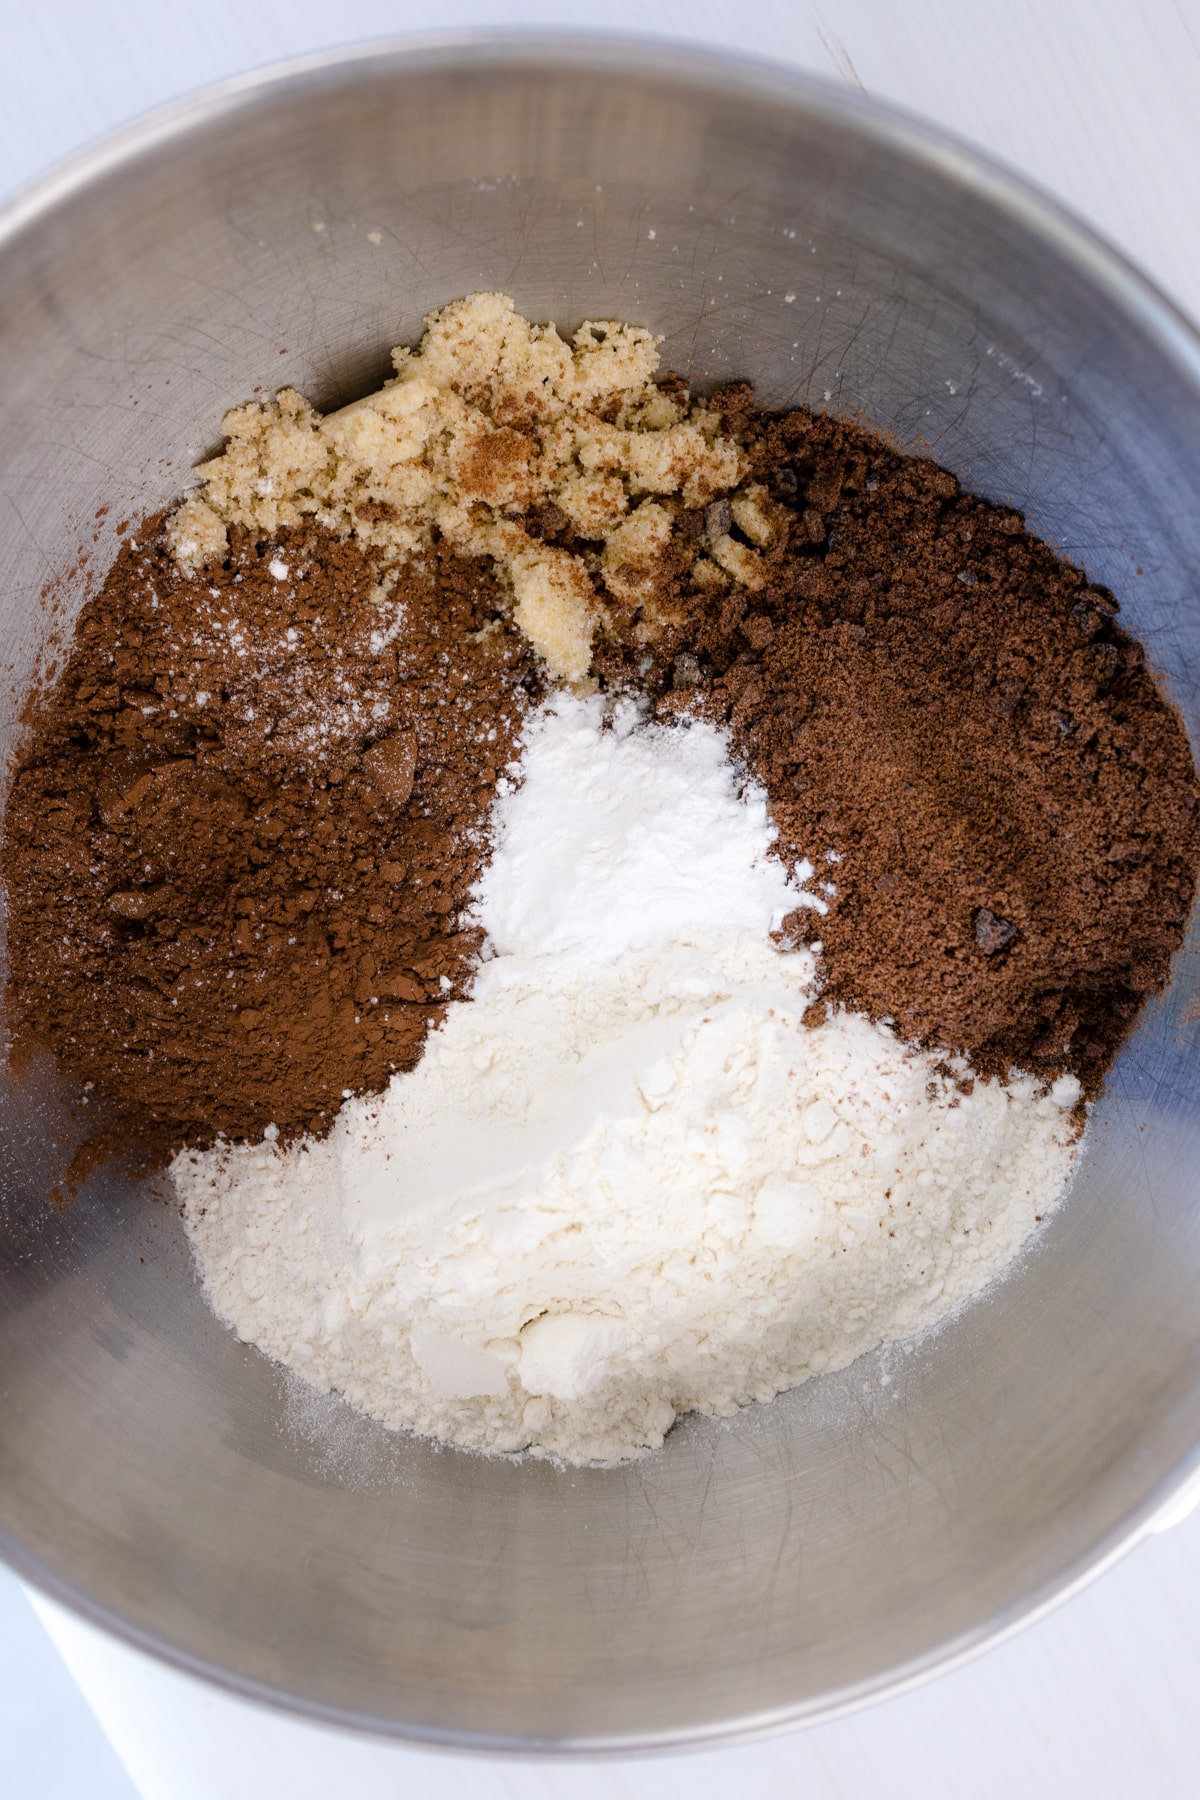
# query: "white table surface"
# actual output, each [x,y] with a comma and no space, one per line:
[1098,101]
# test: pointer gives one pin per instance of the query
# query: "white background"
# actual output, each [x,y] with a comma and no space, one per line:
[1099,100]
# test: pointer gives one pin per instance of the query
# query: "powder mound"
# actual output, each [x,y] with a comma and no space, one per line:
[927,690]
[242,838]
[625,1182]
[725,1205]
[490,427]
[617,835]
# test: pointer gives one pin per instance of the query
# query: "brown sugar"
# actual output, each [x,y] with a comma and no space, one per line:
[486,418]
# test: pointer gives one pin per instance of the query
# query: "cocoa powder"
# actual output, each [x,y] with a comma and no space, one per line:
[244,828]
[927,690]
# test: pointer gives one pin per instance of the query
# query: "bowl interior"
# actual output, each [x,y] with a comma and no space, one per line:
[873,1523]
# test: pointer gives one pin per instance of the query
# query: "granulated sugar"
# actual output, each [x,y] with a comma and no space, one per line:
[626,1180]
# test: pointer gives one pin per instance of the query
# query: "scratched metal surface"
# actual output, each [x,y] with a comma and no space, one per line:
[876,1523]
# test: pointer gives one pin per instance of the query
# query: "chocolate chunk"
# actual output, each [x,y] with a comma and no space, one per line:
[548,522]
[1006,696]
[992,933]
[718,517]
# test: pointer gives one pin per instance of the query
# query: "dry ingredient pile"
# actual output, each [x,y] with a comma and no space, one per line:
[625,1181]
[608,904]
[252,809]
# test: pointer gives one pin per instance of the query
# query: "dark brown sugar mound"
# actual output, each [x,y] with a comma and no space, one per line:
[245,825]
[929,692]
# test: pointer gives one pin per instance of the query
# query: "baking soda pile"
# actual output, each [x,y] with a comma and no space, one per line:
[626,1180]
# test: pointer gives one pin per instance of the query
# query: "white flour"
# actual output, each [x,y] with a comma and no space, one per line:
[625,1181]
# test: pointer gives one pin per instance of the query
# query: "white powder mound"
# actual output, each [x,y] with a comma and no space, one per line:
[625,1181]
[619,839]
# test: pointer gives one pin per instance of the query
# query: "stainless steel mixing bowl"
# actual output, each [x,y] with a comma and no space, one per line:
[876,1524]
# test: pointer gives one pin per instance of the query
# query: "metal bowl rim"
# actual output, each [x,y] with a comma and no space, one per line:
[727,76]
